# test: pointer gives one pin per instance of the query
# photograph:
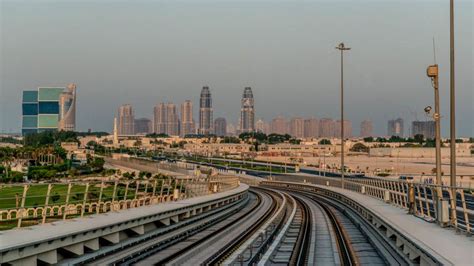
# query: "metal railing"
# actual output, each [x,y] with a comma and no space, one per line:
[29,204]
[419,198]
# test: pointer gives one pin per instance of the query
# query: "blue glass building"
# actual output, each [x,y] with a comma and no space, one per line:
[40,110]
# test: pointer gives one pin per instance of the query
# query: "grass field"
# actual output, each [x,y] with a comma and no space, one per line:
[36,194]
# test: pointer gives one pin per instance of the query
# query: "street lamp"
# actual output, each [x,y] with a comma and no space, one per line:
[342,48]
[432,72]
[452,111]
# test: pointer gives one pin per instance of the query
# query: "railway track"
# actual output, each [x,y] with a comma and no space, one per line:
[272,227]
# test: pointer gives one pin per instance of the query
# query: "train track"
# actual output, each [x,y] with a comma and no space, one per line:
[274,227]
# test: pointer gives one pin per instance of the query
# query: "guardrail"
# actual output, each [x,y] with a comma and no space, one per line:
[29,204]
[455,206]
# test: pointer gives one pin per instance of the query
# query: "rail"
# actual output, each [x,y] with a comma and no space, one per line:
[419,198]
[30,204]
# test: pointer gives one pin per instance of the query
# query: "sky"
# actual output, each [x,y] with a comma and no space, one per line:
[146,52]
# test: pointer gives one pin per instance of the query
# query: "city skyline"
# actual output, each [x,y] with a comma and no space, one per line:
[302,83]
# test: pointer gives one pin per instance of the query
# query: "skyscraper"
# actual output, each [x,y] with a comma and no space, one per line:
[172,120]
[247,112]
[326,128]
[347,129]
[126,119]
[205,112]
[262,126]
[279,125]
[220,126]
[143,126]
[425,128]
[166,119]
[297,127]
[311,128]
[159,119]
[48,109]
[395,127]
[231,131]
[67,109]
[187,120]
[366,129]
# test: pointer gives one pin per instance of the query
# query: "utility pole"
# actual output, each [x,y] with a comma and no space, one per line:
[452,112]
[432,72]
[342,48]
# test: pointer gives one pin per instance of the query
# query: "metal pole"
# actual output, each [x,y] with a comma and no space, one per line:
[437,133]
[452,110]
[342,118]
[342,48]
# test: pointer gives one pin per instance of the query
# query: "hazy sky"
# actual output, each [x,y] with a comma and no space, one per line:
[145,52]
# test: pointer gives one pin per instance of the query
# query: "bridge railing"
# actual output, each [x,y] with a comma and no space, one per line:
[30,204]
[421,198]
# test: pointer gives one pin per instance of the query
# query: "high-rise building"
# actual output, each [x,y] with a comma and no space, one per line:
[327,128]
[187,119]
[425,128]
[395,127]
[347,129]
[67,109]
[311,128]
[48,109]
[247,112]
[159,119]
[172,120]
[143,126]
[297,127]
[166,119]
[279,125]
[205,112]
[366,129]
[231,131]
[126,119]
[220,127]
[262,126]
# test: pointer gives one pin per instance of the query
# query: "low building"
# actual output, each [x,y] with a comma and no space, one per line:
[217,148]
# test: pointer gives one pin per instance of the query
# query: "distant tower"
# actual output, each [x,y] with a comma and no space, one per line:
[172,120]
[395,128]
[297,127]
[159,119]
[247,112]
[311,128]
[220,126]
[115,131]
[126,120]
[366,129]
[187,119]
[279,125]
[67,109]
[327,128]
[205,112]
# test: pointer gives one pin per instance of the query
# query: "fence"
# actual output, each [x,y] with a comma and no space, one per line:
[28,204]
[419,198]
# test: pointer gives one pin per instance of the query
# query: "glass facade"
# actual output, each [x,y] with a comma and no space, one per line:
[30,96]
[26,131]
[30,109]
[48,108]
[48,121]
[30,121]
[49,94]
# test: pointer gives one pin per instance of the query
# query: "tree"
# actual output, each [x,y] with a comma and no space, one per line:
[419,138]
[359,147]
[294,141]
[325,142]
[369,139]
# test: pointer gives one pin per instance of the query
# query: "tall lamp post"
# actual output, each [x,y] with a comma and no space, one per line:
[452,112]
[342,48]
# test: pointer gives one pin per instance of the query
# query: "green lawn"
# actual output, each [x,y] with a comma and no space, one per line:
[36,194]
